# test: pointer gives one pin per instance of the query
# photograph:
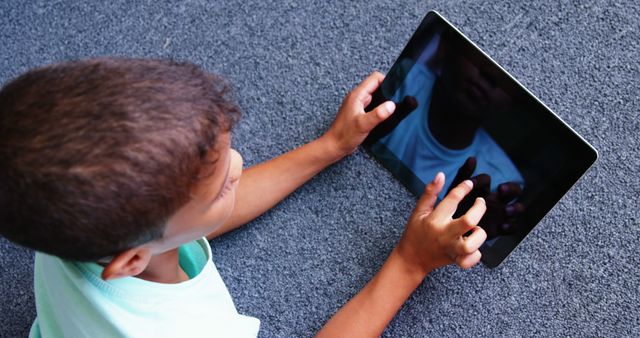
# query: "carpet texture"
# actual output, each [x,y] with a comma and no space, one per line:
[292,62]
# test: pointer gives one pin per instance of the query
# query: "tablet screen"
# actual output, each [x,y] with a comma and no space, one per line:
[460,113]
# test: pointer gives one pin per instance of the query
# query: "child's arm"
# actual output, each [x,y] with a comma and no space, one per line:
[264,185]
[431,239]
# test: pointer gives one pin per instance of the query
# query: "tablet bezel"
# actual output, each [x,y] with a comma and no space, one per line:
[491,258]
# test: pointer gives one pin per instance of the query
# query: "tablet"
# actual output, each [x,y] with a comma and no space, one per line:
[459,112]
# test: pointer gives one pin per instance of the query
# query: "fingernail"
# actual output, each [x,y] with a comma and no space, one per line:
[439,177]
[469,183]
[389,106]
[481,200]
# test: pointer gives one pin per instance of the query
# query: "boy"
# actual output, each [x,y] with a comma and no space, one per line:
[115,169]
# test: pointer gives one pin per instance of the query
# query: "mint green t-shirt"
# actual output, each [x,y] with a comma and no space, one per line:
[73,301]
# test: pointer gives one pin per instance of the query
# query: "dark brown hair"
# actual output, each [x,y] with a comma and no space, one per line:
[96,155]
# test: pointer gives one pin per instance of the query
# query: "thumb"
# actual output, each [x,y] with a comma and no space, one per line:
[379,114]
[428,200]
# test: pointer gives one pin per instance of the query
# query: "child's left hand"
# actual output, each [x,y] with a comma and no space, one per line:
[353,124]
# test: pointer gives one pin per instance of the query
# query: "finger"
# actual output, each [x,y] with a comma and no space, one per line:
[407,105]
[472,242]
[428,199]
[366,101]
[471,219]
[465,171]
[509,191]
[449,204]
[481,184]
[373,118]
[506,229]
[511,226]
[481,188]
[468,261]
[514,209]
[368,86]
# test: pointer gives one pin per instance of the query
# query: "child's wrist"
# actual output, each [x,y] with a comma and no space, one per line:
[332,148]
[410,268]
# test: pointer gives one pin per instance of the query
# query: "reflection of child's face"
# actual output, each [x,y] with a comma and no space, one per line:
[212,201]
[472,86]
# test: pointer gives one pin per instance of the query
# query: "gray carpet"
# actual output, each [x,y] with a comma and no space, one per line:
[577,274]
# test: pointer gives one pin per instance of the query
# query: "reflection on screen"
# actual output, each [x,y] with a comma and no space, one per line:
[459,113]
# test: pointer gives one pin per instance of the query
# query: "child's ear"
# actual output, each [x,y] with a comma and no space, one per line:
[127,263]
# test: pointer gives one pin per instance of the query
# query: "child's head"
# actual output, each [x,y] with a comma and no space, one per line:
[100,156]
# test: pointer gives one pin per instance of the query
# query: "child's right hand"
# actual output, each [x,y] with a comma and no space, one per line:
[432,238]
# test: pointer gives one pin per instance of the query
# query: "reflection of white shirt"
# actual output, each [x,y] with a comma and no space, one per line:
[413,144]
[73,301]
